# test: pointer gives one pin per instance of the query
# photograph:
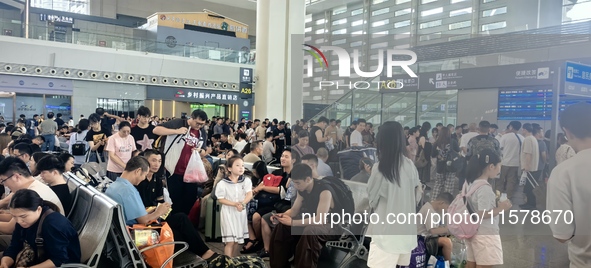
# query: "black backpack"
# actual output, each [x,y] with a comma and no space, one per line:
[343,196]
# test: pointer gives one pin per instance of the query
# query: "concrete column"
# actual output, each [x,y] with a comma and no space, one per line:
[279,62]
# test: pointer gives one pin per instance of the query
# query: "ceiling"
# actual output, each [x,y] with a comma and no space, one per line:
[313,6]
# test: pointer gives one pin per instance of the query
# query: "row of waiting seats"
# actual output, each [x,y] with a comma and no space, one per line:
[104,238]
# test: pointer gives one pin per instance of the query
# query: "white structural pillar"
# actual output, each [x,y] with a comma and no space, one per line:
[279,59]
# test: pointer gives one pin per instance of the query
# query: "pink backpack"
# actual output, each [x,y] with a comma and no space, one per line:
[464,228]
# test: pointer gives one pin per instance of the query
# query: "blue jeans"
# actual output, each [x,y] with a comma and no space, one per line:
[49,144]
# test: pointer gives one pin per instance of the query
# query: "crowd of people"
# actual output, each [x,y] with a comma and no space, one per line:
[147,159]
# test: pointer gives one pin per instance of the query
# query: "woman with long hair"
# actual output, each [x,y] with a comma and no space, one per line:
[445,180]
[60,239]
[392,189]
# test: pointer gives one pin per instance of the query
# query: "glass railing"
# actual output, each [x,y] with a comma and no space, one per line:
[110,40]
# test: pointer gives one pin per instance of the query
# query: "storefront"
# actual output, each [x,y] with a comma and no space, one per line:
[174,102]
[33,95]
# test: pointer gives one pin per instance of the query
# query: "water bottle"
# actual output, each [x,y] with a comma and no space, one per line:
[503,197]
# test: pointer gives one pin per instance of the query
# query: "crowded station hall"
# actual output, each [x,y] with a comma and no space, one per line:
[236,133]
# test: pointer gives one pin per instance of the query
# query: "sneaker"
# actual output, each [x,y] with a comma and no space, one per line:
[264,255]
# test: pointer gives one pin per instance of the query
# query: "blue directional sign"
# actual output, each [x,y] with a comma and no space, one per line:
[577,80]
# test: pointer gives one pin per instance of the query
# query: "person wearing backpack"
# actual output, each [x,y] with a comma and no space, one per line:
[79,143]
[483,141]
[392,190]
[484,248]
[446,180]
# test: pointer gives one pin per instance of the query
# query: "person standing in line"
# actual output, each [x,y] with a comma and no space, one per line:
[569,189]
[530,158]
[392,189]
[565,151]
[97,139]
[510,142]
[48,128]
[356,138]
[485,248]
[445,181]
[233,193]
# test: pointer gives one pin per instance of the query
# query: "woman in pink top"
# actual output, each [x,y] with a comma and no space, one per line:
[120,147]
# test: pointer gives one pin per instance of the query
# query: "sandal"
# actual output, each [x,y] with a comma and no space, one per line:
[254,245]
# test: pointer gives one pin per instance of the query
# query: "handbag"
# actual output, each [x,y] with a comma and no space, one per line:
[421,160]
[195,172]
[418,257]
[27,257]
[78,148]
[153,234]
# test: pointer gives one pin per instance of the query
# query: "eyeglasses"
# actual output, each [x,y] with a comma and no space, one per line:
[7,178]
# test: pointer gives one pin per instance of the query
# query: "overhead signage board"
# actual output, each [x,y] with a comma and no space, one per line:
[497,76]
[246,83]
[192,95]
[202,19]
[577,79]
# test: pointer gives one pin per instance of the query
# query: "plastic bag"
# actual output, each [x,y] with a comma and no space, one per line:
[195,172]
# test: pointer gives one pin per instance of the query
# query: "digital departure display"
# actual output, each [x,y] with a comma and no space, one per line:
[531,104]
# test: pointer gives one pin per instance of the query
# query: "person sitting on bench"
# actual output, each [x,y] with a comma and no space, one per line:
[436,241]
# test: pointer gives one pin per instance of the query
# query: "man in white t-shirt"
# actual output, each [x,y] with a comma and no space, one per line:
[15,175]
[356,136]
[467,137]
[569,190]
[511,142]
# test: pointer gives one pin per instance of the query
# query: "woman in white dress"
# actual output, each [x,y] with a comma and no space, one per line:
[234,192]
[392,190]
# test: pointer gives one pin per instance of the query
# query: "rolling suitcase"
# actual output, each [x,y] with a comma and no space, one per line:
[213,231]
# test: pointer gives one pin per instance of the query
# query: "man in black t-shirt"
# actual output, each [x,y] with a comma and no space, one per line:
[313,201]
[59,121]
[152,189]
[107,120]
[279,138]
[224,145]
[143,132]
[317,137]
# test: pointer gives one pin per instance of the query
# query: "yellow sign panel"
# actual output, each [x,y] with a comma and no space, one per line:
[201,19]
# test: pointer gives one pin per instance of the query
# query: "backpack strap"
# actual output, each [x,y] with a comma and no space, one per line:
[39,238]
[474,187]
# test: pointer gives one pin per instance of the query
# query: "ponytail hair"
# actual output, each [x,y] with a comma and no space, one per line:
[30,200]
[479,162]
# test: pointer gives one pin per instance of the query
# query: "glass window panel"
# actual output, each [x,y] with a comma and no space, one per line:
[460,12]
[357,33]
[378,45]
[380,11]
[309,29]
[357,12]
[357,23]
[400,107]
[308,18]
[341,31]
[494,26]
[381,33]
[380,23]
[398,2]
[356,44]
[438,106]
[320,31]
[428,37]
[339,10]
[494,11]
[577,12]
[430,12]
[320,21]
[460,25]
[375,2]
[78,6]
[338,22]
[430,24]
[457,1]
[402,24]
[427,1]
[402,12]
[488,1]
[339,41]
